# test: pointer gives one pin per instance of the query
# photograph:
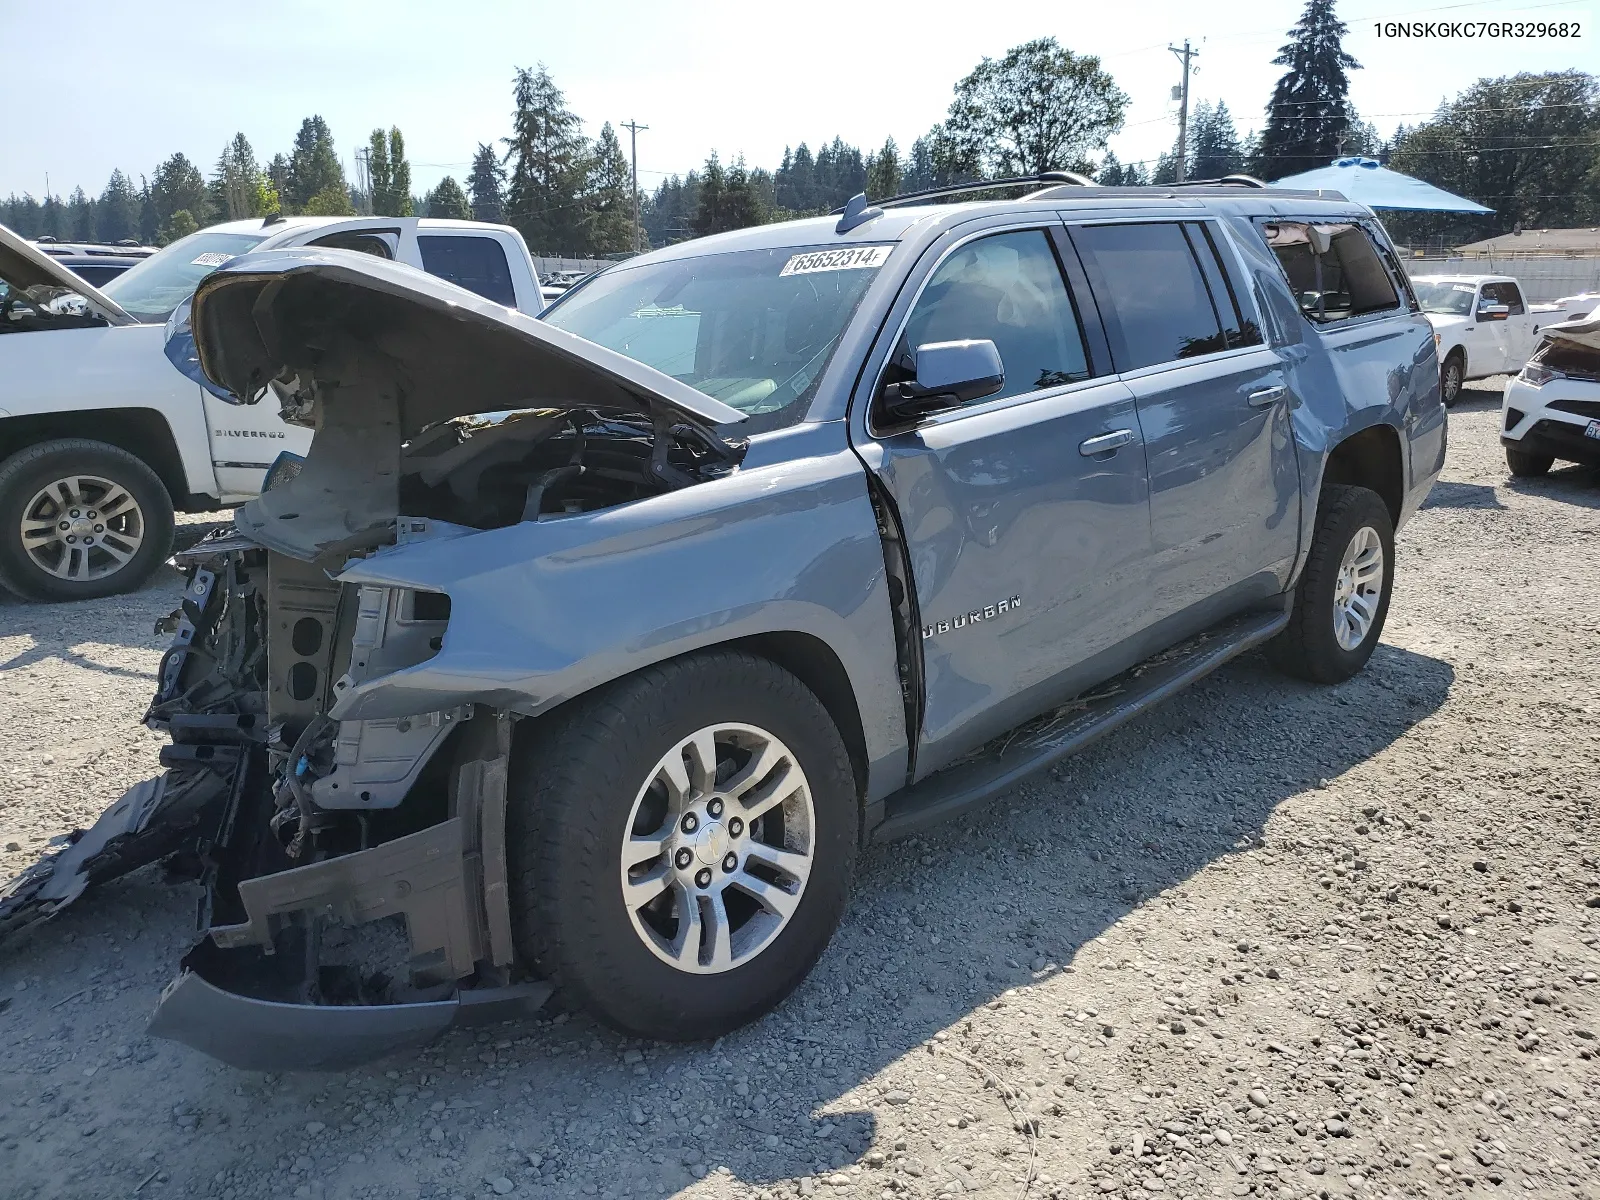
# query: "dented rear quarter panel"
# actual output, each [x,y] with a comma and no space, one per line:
[545,611]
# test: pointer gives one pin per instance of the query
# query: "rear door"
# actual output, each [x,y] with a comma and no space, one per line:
[1026,513]
[1213,410]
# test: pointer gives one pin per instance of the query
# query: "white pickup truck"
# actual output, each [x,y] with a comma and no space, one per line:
[1483,326]
[102,438]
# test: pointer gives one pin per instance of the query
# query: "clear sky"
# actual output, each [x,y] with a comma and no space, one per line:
[115,84]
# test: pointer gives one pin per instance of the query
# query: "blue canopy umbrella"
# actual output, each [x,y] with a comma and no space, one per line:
[1366,181]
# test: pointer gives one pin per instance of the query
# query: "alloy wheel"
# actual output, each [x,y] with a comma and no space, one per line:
[718,848]
[82,528]
[1358,589]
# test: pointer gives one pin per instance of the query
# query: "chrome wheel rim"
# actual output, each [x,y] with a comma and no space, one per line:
[82,528]
[1359,588]
[1452,380]
[718,848]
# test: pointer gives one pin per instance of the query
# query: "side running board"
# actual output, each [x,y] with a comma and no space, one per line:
[1009,759]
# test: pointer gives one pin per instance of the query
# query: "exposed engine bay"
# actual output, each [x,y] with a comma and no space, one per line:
[354,868]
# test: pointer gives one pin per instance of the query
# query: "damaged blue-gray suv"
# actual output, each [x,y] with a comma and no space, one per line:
[583,654]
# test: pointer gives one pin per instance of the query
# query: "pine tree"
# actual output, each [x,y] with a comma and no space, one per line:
[884,171]
[487,185]
[391,174]
[1308,118]
[237,191]
[1214,149]
[1110,173]
[117,211]
[81,224]
[313,168]
[711,209]
[545,152]
[743,206]
[53,218]
[178,187]
[668,214]
[608,199]
[448,200]
[149,222]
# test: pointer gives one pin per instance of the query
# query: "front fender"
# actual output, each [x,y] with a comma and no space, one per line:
[545,611]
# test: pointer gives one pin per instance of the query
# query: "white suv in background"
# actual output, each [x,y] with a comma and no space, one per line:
[102,439]
[1551,410]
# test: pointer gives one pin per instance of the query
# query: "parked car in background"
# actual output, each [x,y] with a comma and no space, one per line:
[1483,326]
[127,248]
[97,269]
[1551,410]
[798,538]
[94,420]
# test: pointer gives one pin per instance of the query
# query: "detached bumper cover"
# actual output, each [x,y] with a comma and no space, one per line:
[269,1035]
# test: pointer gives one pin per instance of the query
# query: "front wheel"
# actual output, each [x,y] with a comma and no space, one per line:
[1342,598]
[1523,464]
[1451,376]
[682,844]
[80,519]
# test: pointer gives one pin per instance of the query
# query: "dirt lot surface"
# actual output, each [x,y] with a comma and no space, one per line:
[1272,940]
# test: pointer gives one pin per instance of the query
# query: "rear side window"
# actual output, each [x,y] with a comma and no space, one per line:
[1008,289]
[475,263]
[1333,270]
[1153,295]
[380,243]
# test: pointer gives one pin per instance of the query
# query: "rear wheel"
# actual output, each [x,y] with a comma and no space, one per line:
[1451,376]
[1342,599]
[682,845]
[1524,464]
[80,519]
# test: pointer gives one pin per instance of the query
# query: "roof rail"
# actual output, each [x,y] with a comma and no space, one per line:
[1249,181]
[1052,178]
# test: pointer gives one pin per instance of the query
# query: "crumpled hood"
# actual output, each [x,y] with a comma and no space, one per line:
[24,265]
[291,315]
[1583,331]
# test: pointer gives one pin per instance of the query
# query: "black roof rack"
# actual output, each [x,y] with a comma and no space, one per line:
[1045,178]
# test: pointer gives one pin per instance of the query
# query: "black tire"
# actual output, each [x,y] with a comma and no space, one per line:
[1308,647]
[24,474]
[1452,375]
[574,780]
[1526,465]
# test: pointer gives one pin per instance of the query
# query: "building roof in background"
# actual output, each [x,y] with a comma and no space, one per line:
[1538,241]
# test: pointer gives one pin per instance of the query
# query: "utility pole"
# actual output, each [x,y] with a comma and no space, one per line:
[364,176]
[633,127]
[1185,55]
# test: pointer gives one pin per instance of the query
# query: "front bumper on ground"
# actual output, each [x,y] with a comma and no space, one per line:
[270,1035]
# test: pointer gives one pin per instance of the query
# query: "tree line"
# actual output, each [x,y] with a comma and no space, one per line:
[1526,145]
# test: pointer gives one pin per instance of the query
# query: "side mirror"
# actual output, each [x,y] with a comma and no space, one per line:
[1494,312]
[949,374]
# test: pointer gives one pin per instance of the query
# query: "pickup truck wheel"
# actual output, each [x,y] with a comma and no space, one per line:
[1451,376]
[682,845]
[80,519]
[1524,464]
[1342,598]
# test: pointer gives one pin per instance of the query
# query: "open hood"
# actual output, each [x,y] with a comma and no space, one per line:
[371,353]
[23,265]
[290,315]
[1584,331]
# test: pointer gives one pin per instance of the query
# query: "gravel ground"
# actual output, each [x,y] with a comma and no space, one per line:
[1271,939]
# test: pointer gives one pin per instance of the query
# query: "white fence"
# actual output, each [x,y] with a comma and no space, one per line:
[549,266]
[1541,278]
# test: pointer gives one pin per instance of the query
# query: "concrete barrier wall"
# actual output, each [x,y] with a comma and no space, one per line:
[1541,278]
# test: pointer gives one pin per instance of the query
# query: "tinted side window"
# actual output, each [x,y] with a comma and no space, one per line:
[1008,289]
[381,243]
[1237,329]
[1153,297]
[475,263]
[1333,269]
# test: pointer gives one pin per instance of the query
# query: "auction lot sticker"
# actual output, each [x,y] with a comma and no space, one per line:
[853,259]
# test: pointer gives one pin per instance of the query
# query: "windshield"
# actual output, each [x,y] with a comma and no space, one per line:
[156,286]
[752,328]
[1452,298]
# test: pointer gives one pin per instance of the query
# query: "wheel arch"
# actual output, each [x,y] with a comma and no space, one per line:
[142,432]
[1371,458]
